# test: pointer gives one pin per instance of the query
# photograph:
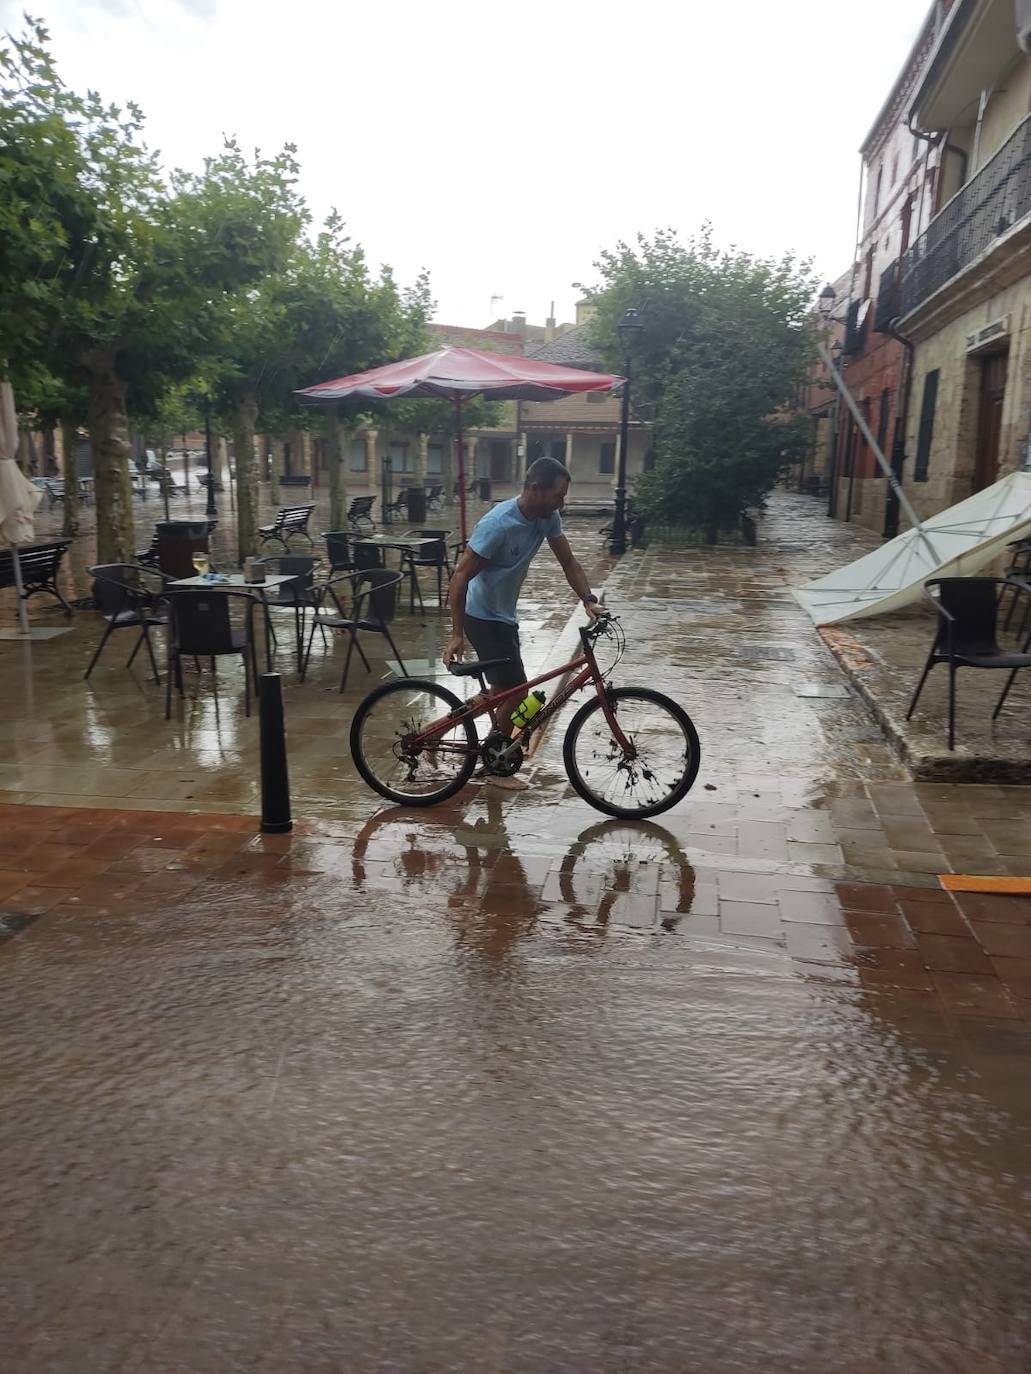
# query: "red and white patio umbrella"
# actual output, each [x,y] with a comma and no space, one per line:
[456,375]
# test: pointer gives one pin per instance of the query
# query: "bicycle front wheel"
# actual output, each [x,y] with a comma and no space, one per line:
[657,772]
[384,753]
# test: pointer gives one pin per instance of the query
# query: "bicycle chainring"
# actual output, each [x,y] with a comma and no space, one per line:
[500,756]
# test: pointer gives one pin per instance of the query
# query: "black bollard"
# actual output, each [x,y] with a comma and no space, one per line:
[275,783]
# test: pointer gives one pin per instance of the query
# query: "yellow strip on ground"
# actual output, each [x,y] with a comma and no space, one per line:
[961,882]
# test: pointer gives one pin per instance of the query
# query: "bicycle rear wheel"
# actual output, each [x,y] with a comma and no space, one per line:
[406,774]
[661,768]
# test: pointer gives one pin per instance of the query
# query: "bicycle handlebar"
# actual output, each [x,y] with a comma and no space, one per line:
[601,622]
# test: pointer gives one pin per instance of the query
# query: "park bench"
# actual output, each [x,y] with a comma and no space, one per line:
[52,488]
[289,521]
[39,564]
[295,479]
[399,506]
[359,517]
[168,483]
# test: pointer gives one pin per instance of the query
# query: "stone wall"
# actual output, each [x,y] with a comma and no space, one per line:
[954,442]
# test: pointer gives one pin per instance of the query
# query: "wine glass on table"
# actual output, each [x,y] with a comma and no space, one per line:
[201,564]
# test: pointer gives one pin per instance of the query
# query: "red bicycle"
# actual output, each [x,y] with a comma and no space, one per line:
[629,751]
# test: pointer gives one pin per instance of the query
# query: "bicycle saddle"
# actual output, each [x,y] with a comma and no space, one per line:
[476,666]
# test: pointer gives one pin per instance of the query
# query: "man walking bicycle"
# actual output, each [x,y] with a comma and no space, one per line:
[484,591]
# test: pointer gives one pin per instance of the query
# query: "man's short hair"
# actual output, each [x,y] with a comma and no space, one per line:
[546,473]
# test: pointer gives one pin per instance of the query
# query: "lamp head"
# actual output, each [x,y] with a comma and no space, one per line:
[629,330]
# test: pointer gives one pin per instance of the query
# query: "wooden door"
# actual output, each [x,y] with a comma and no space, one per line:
[989,420]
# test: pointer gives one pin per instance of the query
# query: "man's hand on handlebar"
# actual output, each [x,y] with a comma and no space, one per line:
[601,618]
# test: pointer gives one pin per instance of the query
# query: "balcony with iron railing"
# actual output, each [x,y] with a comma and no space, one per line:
[989,205]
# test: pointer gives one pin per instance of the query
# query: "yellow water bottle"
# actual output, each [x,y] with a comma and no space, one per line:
[527,709]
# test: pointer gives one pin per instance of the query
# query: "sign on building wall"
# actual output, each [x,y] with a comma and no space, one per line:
[990,334]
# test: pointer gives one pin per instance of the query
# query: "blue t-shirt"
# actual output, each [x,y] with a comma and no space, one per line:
[509,541]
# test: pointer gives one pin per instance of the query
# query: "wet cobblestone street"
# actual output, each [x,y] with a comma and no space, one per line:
[504,1086]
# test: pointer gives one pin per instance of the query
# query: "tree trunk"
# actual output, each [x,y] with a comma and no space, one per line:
[163,460]
[246,475]
[108,423]
[337,482]
[219,460]
[71,480]
[49,452]
[24,455]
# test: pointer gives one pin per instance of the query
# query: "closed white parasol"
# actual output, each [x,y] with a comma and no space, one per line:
[18,500]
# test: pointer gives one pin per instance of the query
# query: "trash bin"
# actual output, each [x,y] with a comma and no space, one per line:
[484,488]
[416,506]
[178,541]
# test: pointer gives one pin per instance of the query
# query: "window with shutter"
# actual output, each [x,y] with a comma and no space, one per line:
[926,432]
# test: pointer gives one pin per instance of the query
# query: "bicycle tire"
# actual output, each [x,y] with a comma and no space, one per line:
[359,754]
[659,803]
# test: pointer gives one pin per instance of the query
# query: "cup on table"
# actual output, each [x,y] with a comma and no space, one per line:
[201,564]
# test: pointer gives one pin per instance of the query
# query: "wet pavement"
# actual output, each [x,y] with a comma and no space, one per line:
[505,1086]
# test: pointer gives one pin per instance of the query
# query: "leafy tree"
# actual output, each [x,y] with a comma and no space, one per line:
[323,315]
[726,340]
[117,280]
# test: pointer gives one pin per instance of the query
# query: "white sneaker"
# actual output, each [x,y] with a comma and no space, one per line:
[513,784]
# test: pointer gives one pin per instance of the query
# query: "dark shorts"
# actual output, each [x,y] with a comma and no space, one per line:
[497,639]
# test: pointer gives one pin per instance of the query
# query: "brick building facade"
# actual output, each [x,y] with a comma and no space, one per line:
[898,199]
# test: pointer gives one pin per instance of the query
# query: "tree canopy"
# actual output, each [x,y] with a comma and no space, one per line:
[122,287]
[726,340]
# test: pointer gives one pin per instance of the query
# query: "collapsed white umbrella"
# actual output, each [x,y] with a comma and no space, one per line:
[954,543]
[18,497]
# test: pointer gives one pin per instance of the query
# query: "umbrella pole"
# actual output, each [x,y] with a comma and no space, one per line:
[461,468]
[23,615]
[875,449]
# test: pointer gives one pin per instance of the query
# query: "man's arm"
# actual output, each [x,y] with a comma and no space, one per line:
[575,575]
[471,563]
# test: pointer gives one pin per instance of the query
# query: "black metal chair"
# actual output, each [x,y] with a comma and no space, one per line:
[368,556]
[296,596]
[359,517]
[374,605]
[1019,570]
[434,555]
[435,496]
[129,598]
[200,626]
[338,551]
[967,634]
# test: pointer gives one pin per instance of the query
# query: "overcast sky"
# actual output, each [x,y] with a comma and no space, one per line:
[502,146]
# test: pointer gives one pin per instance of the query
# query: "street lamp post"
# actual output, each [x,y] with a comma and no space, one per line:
[629,330]
[211,508]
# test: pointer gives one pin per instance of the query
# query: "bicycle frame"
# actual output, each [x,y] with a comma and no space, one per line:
[586,669]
